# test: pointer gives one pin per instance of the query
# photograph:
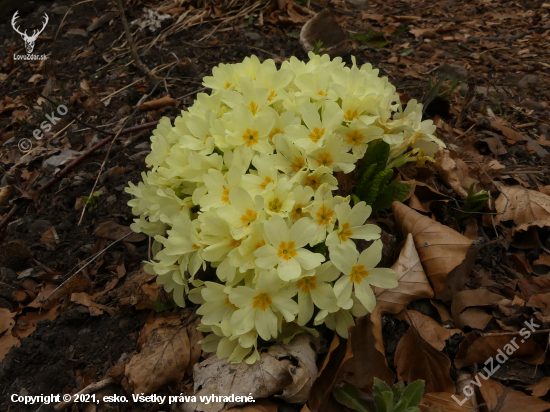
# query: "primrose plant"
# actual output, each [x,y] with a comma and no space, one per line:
[244,182]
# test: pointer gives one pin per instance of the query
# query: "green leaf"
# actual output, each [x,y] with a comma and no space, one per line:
[394,191]
[400,31]
[374,188]
[365,180]
[413,393]
[413,409]
[380,386]
[294,34]
[159,306]
[406,52]
[351,397]
[398,389]
[384,402]
[378,153]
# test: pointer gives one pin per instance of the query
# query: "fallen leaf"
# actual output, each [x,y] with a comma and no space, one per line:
[473,298]
[114,231]
[478,349]
[544,259]
[158,104]
[541,388]
[413,283]
[6,319]
[441,249]
[417,359]
[5,193]
[27,323]
[453,172]
[164,358]
[367,356]
[431,331]
[502,399]
[523,206]
[96,309]
[444,402]
[324,27]
[287,368]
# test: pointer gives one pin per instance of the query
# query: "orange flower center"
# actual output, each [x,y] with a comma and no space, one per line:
[298,164]
[350,115]
[262,301]
[324,215]
[297,211]
[286,250]
[249,217]
[354,138]
[275,205]
[312,182]
[316,135]
[250,137]
[345,232]
[324,159]
[271,95]
[308,283]
[266,181]
[225,196]
[357,274]
[253,107]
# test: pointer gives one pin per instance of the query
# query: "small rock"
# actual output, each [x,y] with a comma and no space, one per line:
[77,33]
[453,72]
[55,161]
[23,392]
[111,199]
[529,81]
[61,10]
[530,104]
[27,273]
[253,36]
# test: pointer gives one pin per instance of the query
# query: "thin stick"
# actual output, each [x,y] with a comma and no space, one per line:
[91,388]
[94,257]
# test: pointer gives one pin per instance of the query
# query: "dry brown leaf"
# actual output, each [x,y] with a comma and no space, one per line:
[473,298]
[164,358]
[6,319]
[413,283]
[431,331]
[441,249]
[158,104]
[262,405]
[453,172]
[7,342]
[525,207]
[443,402]
[367,359]
[541,388]
[417,359]
[474,349]
[114,231]
[508,132]
[26,324]
[5,193]
[502,399]
[287,368]
[320,397]
[325,27]
[96,309]
[544,259]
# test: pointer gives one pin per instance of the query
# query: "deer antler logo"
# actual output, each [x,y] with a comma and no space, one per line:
[29,40]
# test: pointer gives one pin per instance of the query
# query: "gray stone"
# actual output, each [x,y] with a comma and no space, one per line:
[111,199]
[140,156]
[77,33]
[253,36]
[55,161]
[529,81]
[453,72]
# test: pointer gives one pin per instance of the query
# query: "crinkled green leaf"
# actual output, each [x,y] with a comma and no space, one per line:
[394,191]
[374,188]
[351,397]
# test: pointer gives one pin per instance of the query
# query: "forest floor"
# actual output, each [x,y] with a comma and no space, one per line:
[94,322]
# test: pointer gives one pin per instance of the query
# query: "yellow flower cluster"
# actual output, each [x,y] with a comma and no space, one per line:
[244,181]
